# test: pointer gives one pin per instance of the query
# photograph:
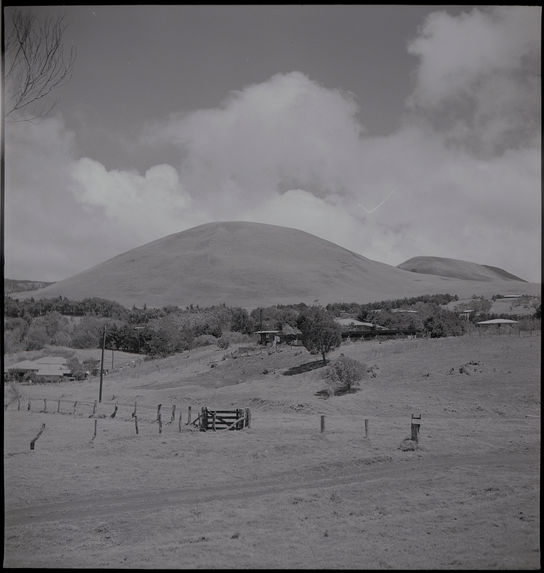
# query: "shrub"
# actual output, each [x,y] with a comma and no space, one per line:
[344,374]
[204,340]
[223,343]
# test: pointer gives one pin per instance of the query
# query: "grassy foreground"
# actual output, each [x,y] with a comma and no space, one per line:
[283,494]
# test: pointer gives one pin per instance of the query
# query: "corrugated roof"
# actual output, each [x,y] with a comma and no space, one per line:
[51,360]
[52,370]
[498,321]
[24,365]
[352,322]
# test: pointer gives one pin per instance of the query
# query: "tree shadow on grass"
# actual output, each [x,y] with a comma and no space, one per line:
[306,367]
[326,394]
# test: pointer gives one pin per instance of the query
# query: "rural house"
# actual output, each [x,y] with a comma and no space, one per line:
[353,328]
[47,368]
[497,322]
[287,334]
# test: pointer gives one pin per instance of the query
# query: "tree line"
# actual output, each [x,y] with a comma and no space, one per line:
[32,324]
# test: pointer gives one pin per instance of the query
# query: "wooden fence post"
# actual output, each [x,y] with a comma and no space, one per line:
[160,424]
[248,416]
[95,424]
[44,405]
[39,434]
[179,422]
[322,423]
[58,406]
[28,407]
[189,415]
[134,413]
[75,406]
[414,426]
[366,428]
[94,408]
[158,412]
[213,421]
[18,404]
[136,424]
[114,412]
[173,416]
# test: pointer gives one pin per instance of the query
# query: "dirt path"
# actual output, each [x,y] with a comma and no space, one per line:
[333,475]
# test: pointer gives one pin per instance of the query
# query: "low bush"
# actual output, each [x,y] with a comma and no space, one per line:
[344,374]
[204,340]
[228,338]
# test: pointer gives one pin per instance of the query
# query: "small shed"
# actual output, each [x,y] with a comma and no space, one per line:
[287,334]
[268,336]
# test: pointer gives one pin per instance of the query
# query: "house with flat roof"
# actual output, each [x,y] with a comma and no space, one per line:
[47,368]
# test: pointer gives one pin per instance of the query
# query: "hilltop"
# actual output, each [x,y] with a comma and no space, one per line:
[253,264]
[456,268]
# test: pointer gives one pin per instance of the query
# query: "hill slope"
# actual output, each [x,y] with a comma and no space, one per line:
[458,269]
[14,285]
[249,265]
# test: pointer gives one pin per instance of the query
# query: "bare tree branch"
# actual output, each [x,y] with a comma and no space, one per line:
[35,64]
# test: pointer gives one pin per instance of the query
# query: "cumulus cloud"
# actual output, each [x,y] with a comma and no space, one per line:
[155,201]
[281,134]
[481,70]
[288,151]
[64,214]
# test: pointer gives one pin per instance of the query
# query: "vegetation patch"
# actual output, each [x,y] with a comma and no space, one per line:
[343,375]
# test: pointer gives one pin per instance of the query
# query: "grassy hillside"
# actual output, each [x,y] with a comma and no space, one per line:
[458,269]
[14,285]
[249,265]
[282,494]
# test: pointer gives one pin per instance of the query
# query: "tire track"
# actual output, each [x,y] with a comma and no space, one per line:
[319,477]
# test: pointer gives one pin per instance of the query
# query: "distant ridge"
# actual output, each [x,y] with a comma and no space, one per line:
[456,268]
[249,265]
[15,285]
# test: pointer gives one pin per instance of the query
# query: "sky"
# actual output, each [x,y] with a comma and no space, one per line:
[392,131]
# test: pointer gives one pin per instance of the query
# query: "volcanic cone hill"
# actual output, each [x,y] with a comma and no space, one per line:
[456,269]
[249,265]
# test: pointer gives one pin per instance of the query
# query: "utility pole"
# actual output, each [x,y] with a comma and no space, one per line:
[102,365]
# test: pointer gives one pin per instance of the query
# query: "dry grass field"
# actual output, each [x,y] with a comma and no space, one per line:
[283,494]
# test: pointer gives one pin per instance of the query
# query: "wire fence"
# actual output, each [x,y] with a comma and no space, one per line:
[135,412]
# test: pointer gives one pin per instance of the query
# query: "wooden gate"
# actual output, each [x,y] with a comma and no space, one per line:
[224,419]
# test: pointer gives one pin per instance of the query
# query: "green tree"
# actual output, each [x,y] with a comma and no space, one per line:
[36,337]
[320,332]
[241,321]
[444,323]
[76,368]
[88,332]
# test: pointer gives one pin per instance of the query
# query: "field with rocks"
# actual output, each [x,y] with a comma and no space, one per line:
[286,492]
